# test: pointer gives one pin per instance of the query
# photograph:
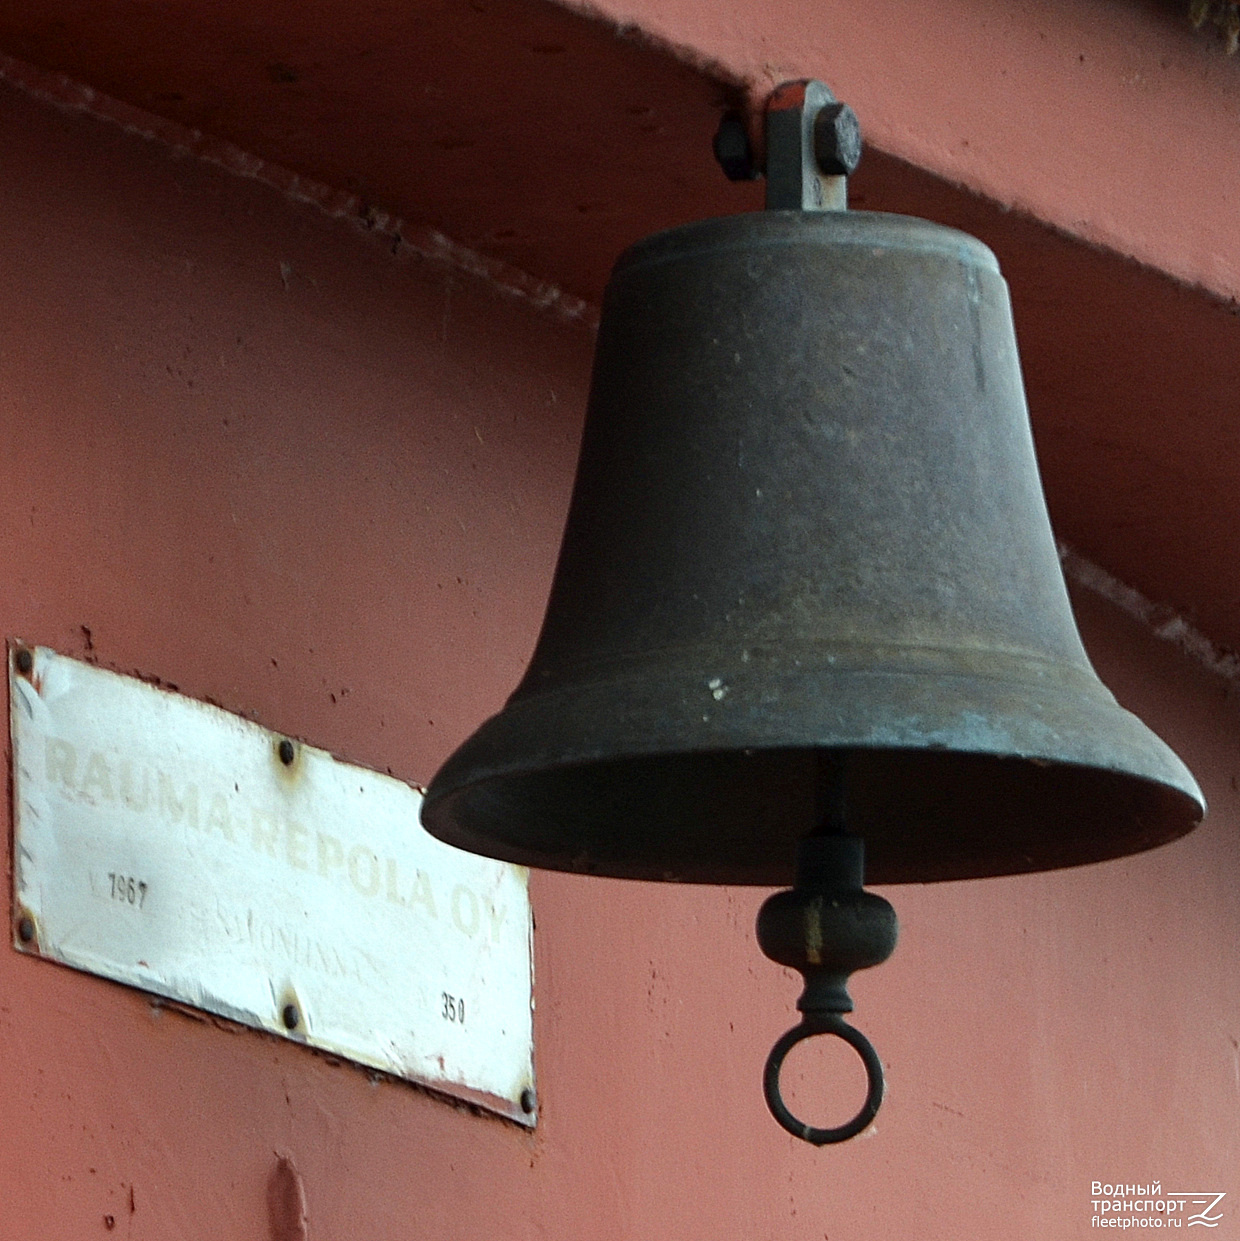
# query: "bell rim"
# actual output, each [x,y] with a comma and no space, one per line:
[437,818]
[1137,757]
[817,680]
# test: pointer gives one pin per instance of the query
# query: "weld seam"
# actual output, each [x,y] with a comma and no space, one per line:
[65,93]
[1162,621]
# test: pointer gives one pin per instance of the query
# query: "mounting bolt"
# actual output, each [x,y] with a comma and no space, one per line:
[733,149]
[286,752]
[527,1100]
[291,1017]
[24,661]
[837,140]
[812,143]
[25,929]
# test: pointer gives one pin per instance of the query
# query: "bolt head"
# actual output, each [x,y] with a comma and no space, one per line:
[291,1017]
[528,1100]
[287,752]
[25,930]
[24,661]
[837,140]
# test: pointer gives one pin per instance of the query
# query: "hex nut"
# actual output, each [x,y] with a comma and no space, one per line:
[733,149]
[837,140]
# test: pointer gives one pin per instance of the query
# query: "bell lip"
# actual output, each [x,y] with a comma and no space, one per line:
[886,230]
[437,818]
[810,700]
[1137,756]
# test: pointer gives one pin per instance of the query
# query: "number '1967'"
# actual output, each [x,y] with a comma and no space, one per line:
[127,889]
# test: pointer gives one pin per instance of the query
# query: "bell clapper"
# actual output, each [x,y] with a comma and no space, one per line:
[826,927]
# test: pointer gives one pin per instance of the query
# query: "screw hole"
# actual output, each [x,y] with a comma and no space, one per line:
[291,1017]
[24,661]
[287,752]
[25,930]
[527,1100]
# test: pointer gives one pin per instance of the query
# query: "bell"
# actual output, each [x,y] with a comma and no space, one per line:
[808,521]
[808,583]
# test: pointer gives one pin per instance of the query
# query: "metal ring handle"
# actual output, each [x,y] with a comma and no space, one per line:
[823,1024]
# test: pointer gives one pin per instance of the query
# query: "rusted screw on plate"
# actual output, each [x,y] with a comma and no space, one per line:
[25,930]
[24,661]
[286,752]
[527,1100]
[837,140]
[290,1016]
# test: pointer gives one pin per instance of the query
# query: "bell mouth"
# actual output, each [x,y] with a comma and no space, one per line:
[947,777]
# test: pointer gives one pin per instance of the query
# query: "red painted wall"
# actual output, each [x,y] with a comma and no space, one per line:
[251,451]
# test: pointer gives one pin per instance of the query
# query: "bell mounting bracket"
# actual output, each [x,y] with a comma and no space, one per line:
[811,145]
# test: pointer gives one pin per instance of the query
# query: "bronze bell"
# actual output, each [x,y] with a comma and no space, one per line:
[808,585]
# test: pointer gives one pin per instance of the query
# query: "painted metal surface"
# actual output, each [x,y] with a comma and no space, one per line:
[365,492]
[171,845]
